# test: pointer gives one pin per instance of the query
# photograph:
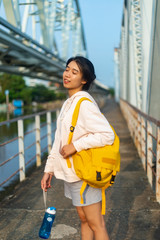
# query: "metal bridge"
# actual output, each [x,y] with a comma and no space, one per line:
[37,37]
[137,76]
[137,59]
[41,51]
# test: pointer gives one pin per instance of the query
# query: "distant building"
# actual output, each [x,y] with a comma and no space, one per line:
[32,82]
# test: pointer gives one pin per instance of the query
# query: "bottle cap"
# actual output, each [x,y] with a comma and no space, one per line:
[51,210]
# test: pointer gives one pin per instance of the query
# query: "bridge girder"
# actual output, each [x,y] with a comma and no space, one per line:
[130,54]
[43,58]
[55,34]
[19,54]
[52,23]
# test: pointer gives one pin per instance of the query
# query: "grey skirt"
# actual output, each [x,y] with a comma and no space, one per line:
[91,195]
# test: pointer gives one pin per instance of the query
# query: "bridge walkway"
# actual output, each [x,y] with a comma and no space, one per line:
[132,211]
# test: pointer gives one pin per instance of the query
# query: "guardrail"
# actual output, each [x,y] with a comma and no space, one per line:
[145,132]
[37,143]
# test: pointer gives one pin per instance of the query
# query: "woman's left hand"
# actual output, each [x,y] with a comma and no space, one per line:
[68,150]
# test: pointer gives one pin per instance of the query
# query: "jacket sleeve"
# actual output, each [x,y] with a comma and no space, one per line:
[49,167]
[98,130]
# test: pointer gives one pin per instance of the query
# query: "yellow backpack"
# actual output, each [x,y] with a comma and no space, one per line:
[97,167]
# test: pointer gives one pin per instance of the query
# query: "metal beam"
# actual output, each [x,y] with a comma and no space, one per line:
[19,55]
[43,17]
[137,35]
[10,13]
[28,50]
[66,30]
[82,29]
[26,72]
[21,51]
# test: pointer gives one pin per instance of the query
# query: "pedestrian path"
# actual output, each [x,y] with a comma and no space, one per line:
[132,211]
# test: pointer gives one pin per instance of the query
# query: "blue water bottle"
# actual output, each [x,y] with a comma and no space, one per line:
[48,220]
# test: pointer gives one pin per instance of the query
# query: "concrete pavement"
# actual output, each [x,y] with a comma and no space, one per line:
[132,211]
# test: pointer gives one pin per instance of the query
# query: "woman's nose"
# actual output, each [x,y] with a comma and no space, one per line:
[68,73]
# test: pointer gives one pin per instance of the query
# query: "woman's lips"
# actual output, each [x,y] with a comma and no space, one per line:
[66,81]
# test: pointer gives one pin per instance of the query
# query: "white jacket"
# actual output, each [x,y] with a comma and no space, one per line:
[92,130]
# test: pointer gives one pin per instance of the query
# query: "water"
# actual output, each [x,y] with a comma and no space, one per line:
[8,132]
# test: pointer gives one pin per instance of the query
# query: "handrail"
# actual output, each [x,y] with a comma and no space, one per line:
[47,133]
[27,116]
[147,117]
[145,131]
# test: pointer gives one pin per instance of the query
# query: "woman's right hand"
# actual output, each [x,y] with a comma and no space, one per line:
[46,181]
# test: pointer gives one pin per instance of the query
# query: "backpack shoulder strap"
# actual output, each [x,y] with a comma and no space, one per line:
[75,117]
[73,124]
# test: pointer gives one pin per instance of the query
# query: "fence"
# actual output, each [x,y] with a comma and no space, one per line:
[36,144]
[145,132]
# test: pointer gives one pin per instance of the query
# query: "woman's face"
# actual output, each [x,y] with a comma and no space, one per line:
[72,78]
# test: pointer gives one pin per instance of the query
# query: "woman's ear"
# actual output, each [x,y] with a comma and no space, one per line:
[84,82]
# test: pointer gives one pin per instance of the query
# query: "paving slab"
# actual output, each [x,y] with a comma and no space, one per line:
[132,211]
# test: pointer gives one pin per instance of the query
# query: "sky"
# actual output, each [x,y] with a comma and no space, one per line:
[102,26]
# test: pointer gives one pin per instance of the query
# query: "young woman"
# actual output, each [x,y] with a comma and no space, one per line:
[92,130]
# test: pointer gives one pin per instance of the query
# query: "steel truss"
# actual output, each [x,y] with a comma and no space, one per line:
[56,24]
[37,36]
[137,37]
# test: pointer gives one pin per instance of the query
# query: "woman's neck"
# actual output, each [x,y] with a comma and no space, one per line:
[71,92]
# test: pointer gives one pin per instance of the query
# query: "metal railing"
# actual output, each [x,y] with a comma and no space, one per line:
[145,132]
[22,148]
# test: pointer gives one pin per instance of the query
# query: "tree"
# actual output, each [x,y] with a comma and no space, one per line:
[18,90]
[15,85]
[26,95]
[112,91]
[40,93]
[2,97]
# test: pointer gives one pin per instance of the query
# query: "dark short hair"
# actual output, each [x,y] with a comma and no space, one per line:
[86,68]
